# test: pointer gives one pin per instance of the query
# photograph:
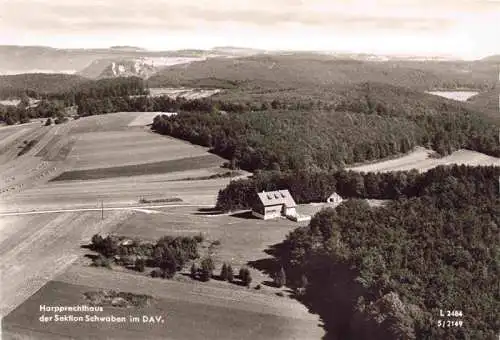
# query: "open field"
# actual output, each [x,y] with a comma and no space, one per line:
[188,93]
[89,194]
[242,239]
[189,312]
[15,102]
[420,160]
[93,143]
[111,149]
[108,122]
[183,164]
[193,310]
[146,118]
[35,248]
[461,96]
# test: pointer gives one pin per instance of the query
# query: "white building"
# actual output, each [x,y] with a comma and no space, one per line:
[334,198]
[273,204]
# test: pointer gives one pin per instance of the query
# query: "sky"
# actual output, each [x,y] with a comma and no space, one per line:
[457,28]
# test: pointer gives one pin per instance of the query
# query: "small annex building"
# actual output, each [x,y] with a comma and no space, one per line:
[273,204]
[334,198]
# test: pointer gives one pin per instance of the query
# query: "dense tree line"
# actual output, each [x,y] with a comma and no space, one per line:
[91,97]
[38,85]
[102,89]
[142,103]
[385,273]
[317,186]
[283,139]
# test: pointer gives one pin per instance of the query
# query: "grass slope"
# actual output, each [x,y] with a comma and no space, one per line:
[139,169]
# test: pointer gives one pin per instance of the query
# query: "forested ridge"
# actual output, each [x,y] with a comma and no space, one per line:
[385,273]
[36,85]
[304,71]
[364,122]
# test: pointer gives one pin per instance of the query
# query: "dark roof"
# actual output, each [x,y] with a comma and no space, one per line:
[278,197]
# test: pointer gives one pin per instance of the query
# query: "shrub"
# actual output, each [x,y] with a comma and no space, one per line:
[156,273]
[140,265]
[230,273]
[245,276]
[199,238]
[167,273]
[101,261]
[194,271]
[223,272]
[207,267]
[60,120]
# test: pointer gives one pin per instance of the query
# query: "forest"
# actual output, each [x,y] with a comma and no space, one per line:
[368,122]
[55,100]
[308,70]
[317,186]
[37,85]
[385,273]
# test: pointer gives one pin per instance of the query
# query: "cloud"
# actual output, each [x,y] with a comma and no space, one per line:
[418,22]
[94,15]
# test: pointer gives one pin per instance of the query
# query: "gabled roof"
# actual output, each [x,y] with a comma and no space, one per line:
[278,197]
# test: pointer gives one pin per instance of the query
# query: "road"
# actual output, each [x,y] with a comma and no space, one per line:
[139,207]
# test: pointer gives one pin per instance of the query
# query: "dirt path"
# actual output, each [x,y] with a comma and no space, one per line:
[122,208]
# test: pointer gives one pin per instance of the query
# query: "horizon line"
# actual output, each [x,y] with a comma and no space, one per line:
[145,49]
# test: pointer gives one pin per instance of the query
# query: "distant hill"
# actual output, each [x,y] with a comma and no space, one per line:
[143,67]
[237,51]
[41,59]
[109,68]
[240,64]
[492,58]
[128,48]
[307,70]
[37,83]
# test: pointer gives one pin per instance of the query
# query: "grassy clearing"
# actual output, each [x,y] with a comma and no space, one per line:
[187,315]
[421,160]
[104,150]
[109,122]
[240,239]
[146,118]
[141,169]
